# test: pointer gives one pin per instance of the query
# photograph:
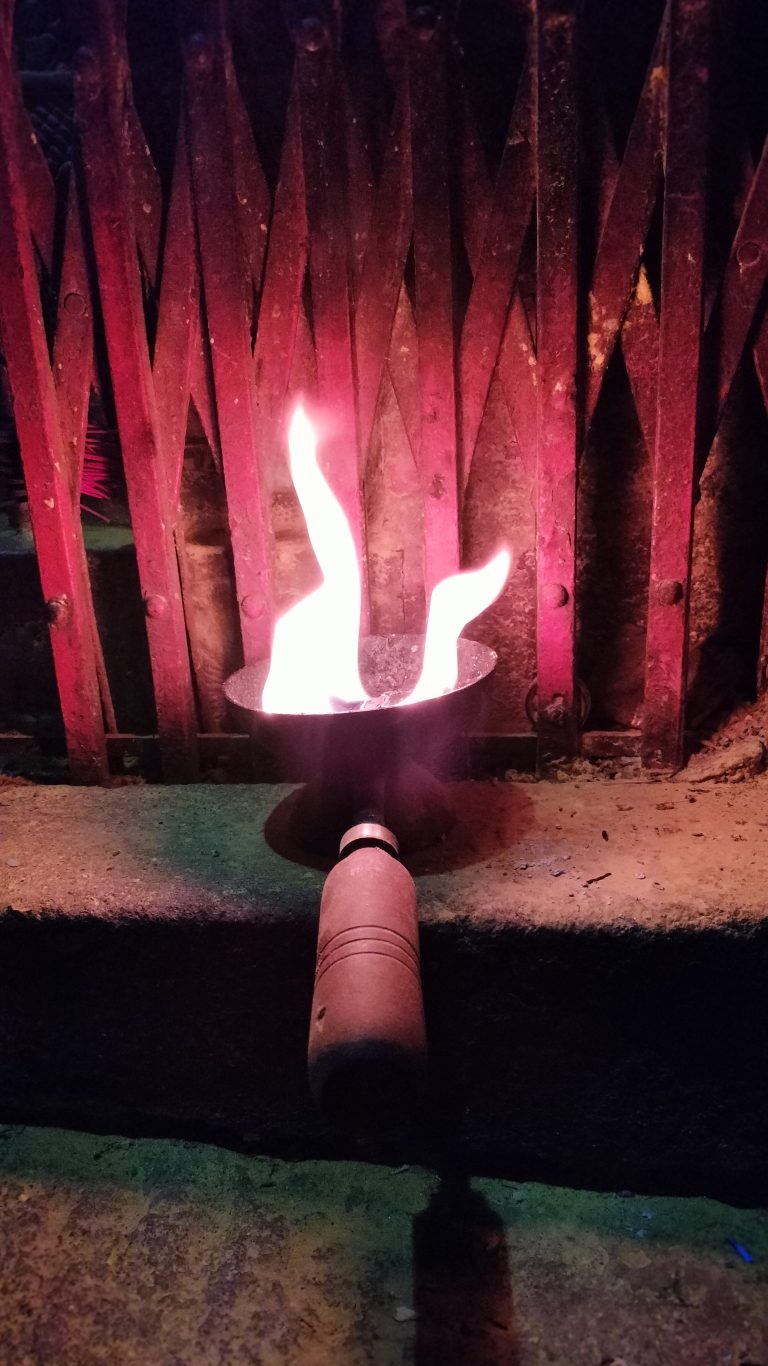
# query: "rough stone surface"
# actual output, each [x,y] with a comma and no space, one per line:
[594,963]
[565,856]
[742,759]
[163,1254]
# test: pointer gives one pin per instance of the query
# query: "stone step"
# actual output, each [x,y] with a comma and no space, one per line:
[594,962]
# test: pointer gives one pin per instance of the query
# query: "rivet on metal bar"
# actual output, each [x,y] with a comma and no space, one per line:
[311,36]
[668,592]
[155,605]
[251,606]
[556,712]
[199,50]
[74,303]
[582,701]
[554,595]
[748,254]
[57,610]
[424,21]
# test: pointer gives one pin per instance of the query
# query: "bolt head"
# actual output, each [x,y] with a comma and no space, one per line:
[424,22]
[668,592]
[251,606]
[199,50]
[556,713]
[311,35]
[554,594]
[74,303]
[57,610]
[155,605]
[748,253]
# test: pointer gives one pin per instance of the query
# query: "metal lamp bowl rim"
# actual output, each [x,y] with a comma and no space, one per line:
[249,681]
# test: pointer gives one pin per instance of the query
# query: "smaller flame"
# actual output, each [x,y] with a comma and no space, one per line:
[455,602]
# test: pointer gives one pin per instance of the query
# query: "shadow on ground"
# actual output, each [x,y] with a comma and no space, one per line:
[160,1253]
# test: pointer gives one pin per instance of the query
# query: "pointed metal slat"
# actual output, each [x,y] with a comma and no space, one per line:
[679,349]
[437,458]
[56,526]
[100,101]
[281,300]
[557,307]
[383,266]
[178,325]
[495,272]
[225,276]
[324,168]
[72,375]
[635,189]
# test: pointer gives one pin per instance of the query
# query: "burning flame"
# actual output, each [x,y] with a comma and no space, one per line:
[314,648]
[455,602]
[314,664]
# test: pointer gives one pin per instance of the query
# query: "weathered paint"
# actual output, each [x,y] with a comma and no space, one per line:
[557,121]
[679,348]
[108,152]
[47,458]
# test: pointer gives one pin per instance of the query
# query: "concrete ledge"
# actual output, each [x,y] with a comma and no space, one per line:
[594,958]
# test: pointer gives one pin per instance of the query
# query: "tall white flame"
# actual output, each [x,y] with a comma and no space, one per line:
[314,664]
[315,645]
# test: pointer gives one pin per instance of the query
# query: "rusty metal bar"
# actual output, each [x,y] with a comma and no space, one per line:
[624,212]
[383,266]
[72,376]
[73,343]
[761,368]
[281,300]
[635,188]
[762,658]
[252,199]
[517,371]
[38,185]
[517,354]
[145,186]
[177,349]
[55,522]
[226,277]
[495,272]
[178,322]
[236,755]
[325,170]
[679,350]
[100,103]
[437,457]
[361,189]
[557,305]
[740,295]
[392,215]
[640,348]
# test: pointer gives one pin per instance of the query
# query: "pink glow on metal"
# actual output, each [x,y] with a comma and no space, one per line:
[558,428]
[314,662]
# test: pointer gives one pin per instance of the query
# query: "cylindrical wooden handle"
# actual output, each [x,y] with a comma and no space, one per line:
[367,1041]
